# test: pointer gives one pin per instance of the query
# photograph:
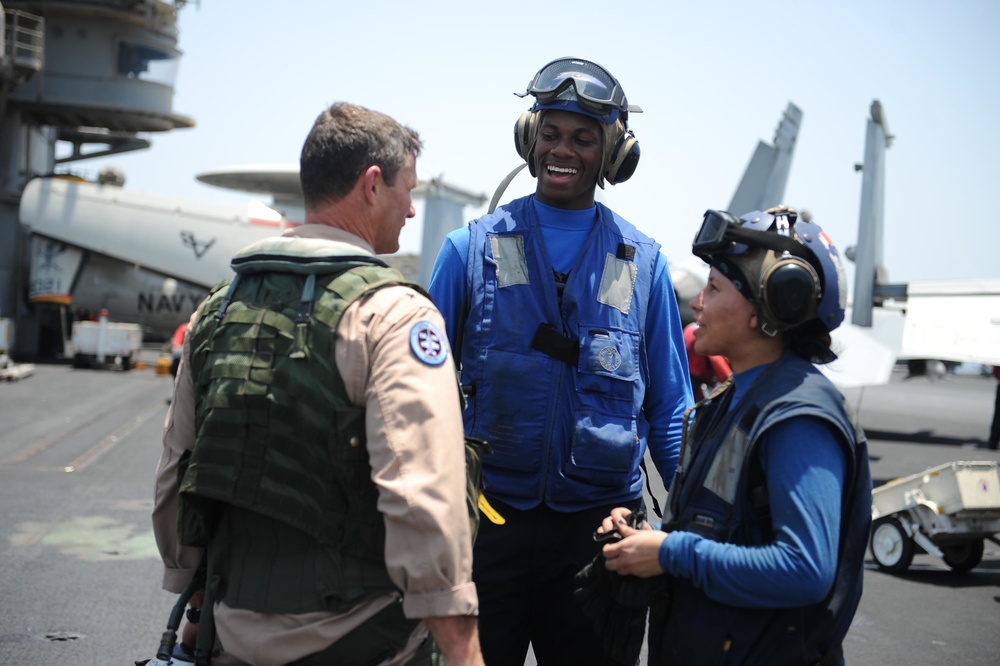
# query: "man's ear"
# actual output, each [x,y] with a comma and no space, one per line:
[372,178]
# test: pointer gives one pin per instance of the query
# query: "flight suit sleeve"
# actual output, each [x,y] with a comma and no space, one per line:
[668,391]
[180,562]
[448,285]
[395,360]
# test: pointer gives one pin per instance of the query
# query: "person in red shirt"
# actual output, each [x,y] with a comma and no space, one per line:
[706,371]
[176,347]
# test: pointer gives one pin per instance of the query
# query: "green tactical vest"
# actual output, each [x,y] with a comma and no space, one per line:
[278,486]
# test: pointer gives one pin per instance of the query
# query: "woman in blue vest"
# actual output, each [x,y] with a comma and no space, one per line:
[564,318]
[763,543]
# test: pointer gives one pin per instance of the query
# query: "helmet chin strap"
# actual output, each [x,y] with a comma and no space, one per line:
[765,327]
[503,186]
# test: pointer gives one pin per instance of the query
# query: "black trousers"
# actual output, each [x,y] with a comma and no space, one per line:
[524,572]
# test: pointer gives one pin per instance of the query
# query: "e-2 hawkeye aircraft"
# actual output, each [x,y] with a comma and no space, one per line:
[150,259]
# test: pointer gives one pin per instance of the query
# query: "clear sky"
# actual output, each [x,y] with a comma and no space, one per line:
[712,78]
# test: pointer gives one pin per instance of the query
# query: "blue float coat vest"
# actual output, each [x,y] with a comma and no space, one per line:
[556,388]
[720,491]
[279,483]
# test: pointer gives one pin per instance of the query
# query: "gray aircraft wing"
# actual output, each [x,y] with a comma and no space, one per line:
[945,320]
[763,182]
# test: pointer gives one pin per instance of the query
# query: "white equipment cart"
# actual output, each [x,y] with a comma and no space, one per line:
[947,511]
[105,344]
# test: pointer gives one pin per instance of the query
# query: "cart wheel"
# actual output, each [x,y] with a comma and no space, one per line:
[964,556]
[891,546]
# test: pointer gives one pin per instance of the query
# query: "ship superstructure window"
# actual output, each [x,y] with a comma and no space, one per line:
[149,63]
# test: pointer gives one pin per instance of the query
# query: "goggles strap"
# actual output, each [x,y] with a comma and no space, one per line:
[766,241]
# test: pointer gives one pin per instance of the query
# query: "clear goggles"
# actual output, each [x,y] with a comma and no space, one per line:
[595,89]
[723,233]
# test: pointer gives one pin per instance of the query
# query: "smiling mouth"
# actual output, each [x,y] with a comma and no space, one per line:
[567,171]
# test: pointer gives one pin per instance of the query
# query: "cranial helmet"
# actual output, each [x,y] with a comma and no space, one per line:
[786,266]
[582,86]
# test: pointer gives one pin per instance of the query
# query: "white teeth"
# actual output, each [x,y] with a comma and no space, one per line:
[568,170]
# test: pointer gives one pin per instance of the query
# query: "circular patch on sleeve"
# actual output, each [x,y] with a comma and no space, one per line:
[428,343]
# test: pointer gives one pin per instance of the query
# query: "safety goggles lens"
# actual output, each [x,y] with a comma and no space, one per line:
[591,82]
[712,235]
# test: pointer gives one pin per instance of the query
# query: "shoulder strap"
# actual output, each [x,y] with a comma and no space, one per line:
[656,505]
[756,479]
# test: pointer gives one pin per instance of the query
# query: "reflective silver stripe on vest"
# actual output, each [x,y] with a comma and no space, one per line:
[724,475]
[512,266]
[617,283]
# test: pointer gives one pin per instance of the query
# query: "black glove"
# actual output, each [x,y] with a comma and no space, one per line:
[617,605]
[593,591]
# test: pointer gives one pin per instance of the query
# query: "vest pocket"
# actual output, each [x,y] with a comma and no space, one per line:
[511,407]
[608,364]
[605,446]
[698,630]
[604,450]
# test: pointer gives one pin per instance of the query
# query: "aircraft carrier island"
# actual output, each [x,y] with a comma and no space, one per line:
[78,80]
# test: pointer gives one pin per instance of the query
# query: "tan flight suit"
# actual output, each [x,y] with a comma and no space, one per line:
[415,443]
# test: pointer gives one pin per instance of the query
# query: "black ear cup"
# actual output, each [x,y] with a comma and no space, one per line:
[623,160]
[789,291]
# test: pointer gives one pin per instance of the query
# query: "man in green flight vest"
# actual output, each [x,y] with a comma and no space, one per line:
[313,465]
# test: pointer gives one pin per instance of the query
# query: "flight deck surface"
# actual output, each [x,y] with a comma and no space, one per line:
[81,576]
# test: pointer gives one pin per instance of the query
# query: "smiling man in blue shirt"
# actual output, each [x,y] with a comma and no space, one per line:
[564,318]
